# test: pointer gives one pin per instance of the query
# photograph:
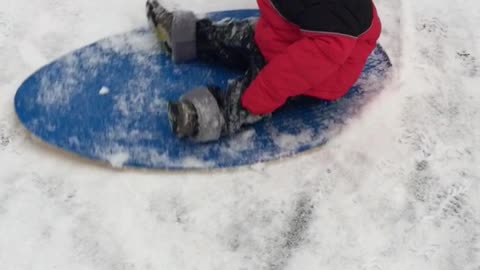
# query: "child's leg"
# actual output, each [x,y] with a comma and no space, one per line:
[208,113]
[230,42]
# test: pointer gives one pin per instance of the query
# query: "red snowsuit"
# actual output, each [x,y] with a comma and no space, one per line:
[321,64]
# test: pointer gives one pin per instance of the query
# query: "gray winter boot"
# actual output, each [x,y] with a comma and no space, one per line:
[183,119]
[197,116]
[206,114]
[175,30]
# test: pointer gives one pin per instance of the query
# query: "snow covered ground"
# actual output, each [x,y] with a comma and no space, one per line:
[398,189]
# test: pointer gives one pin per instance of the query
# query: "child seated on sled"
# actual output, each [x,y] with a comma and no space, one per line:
[315,48]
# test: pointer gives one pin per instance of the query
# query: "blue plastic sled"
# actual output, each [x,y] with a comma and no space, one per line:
[107,102]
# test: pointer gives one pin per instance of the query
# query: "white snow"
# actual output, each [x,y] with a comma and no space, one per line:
[397,188]
[104,91]
[117,160]
[293,141]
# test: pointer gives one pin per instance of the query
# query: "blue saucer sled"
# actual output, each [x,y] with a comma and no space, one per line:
[108,102]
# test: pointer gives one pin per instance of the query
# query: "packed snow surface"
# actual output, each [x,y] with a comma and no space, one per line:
[398,188]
